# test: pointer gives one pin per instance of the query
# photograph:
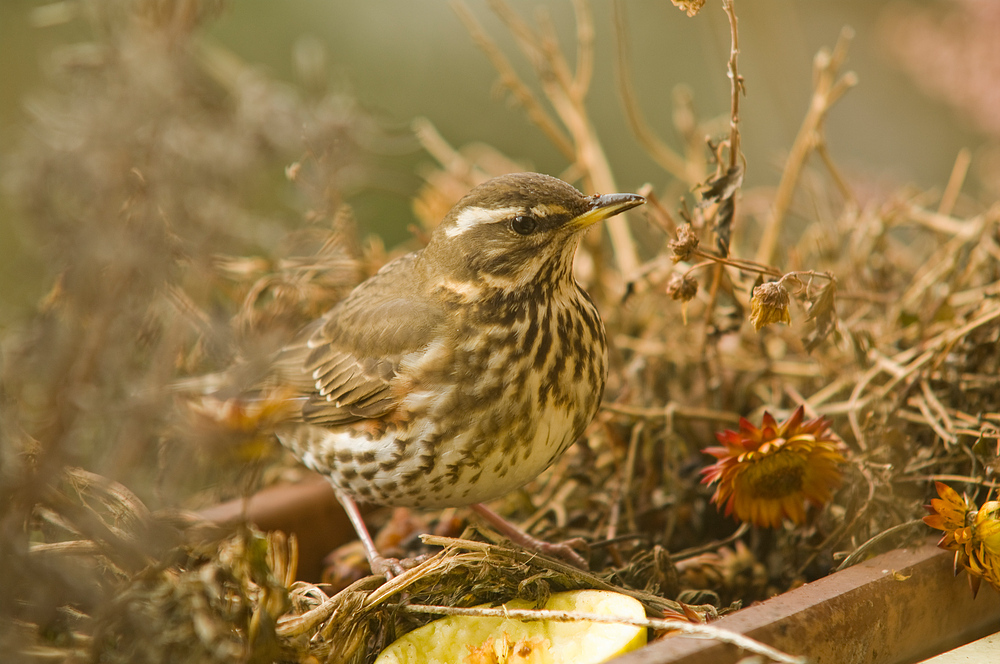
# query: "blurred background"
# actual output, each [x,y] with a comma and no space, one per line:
[401,60]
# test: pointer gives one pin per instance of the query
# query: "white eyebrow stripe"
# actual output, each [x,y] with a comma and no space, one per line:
[475,216]
[546,210]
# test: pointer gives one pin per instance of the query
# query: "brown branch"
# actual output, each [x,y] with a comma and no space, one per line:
[558,83]
[736,85]
[584,48]
[955,181]
[668,159]
[828,87]
[510,80]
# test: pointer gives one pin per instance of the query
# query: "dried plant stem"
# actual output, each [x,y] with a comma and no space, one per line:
[567,93]
[510,80]
[621,491]
[584,47]
[736,84]
[901,367]
[828,87]
[662,154]
[738,263]
[736,87]
[672,410]
[955,182]
[863,551]
[687,554]
[435,144]
[681,626]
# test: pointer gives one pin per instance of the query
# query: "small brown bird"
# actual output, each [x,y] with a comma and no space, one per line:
[459,372]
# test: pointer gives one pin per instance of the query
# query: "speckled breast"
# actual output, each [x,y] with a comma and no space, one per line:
[485,410]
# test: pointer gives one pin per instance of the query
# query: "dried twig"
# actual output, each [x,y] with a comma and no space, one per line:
[668,159]
[567,93]
[680,626]
[828,87]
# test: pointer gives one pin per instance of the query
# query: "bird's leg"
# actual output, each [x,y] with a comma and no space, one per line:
[388,567]
[562,550]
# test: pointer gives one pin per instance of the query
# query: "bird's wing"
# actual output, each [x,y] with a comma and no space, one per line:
[345,365]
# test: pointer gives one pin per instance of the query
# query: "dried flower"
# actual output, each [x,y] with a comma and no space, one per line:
[237,427]
[692,7]
[769,304]
[682,287]
[765,475]
[685,245]
[972,533]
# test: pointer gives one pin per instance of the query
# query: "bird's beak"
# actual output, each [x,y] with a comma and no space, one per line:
[602,207]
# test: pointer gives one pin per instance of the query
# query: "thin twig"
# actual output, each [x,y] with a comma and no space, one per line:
[711,546]
[736,84]
[955,182]
[681,626]
[672,410]
[828,88]
[858,554]
[668,159]
[567,95]
[510,80]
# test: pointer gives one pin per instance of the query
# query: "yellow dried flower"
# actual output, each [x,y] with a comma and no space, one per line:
[768,474]
[241,428]
[769,304]
[972,533]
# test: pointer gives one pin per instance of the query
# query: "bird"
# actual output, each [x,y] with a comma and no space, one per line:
[457,373]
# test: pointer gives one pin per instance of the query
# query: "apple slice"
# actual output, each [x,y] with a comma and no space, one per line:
[481,640]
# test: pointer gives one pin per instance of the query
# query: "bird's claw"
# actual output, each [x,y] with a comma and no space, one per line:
[387,567]
[566,551]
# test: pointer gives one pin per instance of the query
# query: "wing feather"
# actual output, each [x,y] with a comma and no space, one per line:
[346,364]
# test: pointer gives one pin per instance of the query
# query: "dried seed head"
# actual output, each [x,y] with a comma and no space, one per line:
[685,245]
[682,288]
[769,304]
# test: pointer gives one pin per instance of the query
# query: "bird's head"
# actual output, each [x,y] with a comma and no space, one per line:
[519,229]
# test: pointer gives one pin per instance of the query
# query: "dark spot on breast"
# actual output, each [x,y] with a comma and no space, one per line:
[530,334]
[558,390]
[390,463]
[544,346]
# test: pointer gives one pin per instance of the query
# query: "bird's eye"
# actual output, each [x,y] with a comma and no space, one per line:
[524,224]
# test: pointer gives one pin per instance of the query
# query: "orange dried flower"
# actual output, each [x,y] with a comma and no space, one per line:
[973,533]
[242,428]
[768,474]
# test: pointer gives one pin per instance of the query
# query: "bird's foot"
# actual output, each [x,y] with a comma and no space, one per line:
[563,550]
[387,567]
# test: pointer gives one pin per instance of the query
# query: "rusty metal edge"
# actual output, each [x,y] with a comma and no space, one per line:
[897,608]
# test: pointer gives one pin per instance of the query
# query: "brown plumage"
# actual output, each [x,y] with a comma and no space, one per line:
[459,372]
